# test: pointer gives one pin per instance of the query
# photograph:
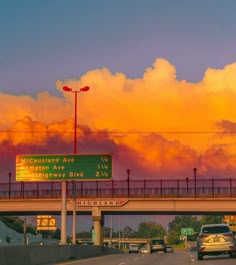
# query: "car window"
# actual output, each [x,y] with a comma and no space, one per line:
[215,230]
[158,241]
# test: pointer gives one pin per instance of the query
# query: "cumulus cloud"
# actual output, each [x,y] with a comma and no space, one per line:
[156,125]
[227,126]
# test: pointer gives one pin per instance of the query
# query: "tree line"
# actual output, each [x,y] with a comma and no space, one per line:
[147,229]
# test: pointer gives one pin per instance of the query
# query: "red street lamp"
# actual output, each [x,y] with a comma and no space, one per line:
[195,180]
[9,184]
[85,88]
[69,89]
[128,180]
[66,88]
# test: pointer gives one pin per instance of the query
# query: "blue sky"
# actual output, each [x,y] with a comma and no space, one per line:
[43,41]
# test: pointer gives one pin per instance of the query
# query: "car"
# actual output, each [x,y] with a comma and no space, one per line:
[215,239]
[158,244]
[169,249]
[145,249]
[133,248]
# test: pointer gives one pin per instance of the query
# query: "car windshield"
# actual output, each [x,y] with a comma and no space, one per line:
[215,230]
[145,246]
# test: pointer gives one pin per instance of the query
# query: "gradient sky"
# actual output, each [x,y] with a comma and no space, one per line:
[42,41]
[162,75]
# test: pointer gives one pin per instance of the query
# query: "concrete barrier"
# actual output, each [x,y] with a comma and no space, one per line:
[46,254]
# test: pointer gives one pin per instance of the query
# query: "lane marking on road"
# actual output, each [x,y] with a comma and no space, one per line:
[79,260]
[192,258]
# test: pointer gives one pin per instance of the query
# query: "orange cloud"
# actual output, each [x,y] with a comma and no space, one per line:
[156,125]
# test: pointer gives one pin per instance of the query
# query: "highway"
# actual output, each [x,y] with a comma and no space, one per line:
[181,257]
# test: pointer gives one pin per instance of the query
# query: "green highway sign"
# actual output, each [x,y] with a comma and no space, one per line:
[187,231]
[63,167]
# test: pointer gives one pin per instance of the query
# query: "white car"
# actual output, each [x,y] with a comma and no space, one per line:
[133,248]
[169,249]
[216,239]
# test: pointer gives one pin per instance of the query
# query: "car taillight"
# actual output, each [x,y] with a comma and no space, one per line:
[203,235]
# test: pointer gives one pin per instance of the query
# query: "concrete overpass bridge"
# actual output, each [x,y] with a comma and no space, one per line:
[100,198]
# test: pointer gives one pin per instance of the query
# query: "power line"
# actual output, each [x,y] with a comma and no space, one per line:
[120,132]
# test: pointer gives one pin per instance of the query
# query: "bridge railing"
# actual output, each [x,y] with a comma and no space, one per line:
[122,188]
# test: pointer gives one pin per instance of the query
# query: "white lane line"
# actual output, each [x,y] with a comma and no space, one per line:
[192,258]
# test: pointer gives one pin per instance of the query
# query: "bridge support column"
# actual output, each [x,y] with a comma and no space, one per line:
[97,226]
[63,212]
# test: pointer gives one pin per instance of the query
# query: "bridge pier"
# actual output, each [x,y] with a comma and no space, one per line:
[97,226]
[63,213]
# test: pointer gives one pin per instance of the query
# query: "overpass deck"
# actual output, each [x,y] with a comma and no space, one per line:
[137,197]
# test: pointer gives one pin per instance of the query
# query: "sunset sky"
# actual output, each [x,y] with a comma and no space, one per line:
[162,78]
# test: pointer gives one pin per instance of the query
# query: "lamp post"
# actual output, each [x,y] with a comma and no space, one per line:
[68,89]
[9,184]
[24,230]
[195,180]
[187,179]
[128,179]
[111,230]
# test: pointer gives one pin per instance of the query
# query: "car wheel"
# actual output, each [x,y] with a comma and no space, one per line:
[199,256]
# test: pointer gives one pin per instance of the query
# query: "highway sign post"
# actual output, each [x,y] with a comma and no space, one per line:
[63,167]
[185,232]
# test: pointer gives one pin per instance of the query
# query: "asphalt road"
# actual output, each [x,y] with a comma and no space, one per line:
[182,257]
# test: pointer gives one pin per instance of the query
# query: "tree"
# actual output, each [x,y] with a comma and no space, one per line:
[151,230]
[129,232]
[17,224]
[8,239]
[107,231]
[211,219]
[84,234]
[13,222]
[185,221]
[57,234]
[175,226]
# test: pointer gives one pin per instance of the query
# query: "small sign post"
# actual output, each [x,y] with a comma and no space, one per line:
[185,232]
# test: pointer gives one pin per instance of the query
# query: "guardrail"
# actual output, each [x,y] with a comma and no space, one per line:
[122,188]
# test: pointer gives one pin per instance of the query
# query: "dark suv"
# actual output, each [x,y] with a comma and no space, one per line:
[216,239]
[158,244]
